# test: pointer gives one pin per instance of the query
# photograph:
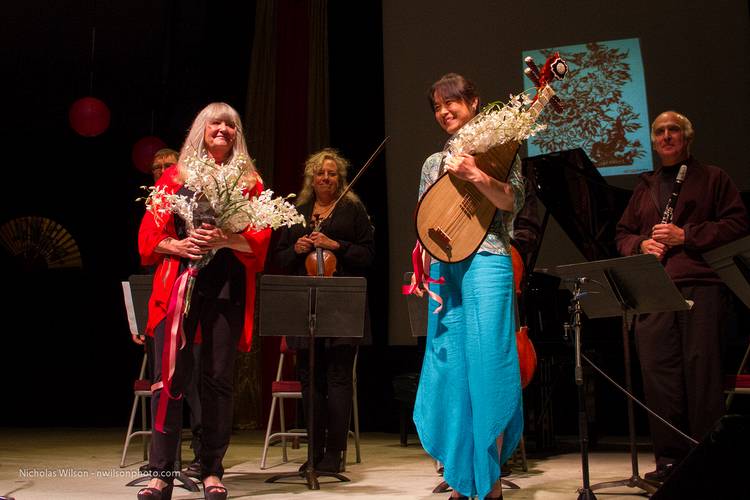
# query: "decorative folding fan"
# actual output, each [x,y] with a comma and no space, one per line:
[39,243]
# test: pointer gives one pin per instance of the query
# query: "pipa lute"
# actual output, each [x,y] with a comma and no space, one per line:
[453,217]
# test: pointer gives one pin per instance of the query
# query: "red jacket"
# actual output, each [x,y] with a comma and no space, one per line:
[167,266]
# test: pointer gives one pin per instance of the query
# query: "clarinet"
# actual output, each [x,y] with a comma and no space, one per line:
[669,209]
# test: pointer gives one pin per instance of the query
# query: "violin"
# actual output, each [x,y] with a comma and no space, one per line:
[321,262]
[526,353]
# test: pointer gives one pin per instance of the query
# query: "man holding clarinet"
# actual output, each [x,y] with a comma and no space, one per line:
[677,213]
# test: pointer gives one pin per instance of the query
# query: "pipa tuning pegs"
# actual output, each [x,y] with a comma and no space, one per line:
[532,66]
[531,76]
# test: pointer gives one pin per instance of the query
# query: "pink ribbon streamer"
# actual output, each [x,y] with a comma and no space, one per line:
[421,279]
[173,331]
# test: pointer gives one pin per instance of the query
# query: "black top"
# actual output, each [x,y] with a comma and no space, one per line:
[223,277]
[348,224]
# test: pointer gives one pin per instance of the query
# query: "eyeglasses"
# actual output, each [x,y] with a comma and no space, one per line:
[160,166]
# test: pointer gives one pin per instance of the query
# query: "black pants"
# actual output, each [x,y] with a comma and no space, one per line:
[333,394]
[192,391]
[681,363]
[192,397]
[221,326]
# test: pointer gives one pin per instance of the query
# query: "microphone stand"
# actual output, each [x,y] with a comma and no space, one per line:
[585,492]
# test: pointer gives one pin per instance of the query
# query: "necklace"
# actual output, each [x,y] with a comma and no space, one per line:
[322,211]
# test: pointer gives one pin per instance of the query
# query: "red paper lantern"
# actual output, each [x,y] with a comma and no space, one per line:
[89,116]
[144,150]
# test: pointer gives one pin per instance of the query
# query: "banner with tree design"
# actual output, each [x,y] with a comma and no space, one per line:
[605,113]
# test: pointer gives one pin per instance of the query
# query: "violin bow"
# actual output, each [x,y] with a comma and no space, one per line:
[362,170]
[319,221]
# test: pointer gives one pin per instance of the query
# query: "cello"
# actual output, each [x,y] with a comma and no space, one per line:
[526,352]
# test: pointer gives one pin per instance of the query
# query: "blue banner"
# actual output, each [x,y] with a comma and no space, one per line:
[605,111]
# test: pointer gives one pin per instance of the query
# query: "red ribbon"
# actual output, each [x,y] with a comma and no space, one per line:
[420,280]
[173,331]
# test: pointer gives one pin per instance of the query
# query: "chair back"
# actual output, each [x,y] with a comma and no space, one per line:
[284,349]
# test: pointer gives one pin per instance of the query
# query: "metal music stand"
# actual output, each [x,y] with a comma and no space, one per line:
[418,323]
[616,287]
[312,306]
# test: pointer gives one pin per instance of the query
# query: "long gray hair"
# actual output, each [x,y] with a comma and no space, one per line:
[195,145]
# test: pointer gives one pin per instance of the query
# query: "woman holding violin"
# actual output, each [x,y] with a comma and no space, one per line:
[338,241]
[468,410]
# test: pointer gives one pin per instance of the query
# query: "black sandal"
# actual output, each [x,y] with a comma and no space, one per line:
[156,493]
[211,493]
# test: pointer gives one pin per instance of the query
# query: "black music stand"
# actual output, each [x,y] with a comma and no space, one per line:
[616,287]
[418,323]
[140,286]
[312,306]
[732,263]
[417,307]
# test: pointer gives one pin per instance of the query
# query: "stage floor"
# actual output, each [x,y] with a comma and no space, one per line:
[83,464]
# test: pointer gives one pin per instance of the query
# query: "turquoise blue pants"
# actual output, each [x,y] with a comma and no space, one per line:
[470,386]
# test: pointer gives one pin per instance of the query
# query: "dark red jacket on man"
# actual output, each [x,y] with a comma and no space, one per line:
[709,209]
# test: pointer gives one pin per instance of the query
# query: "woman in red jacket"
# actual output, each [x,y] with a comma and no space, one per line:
[221,307]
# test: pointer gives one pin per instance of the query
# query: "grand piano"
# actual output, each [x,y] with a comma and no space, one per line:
[576,194]
[587,209]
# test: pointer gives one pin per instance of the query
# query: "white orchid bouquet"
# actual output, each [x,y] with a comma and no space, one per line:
[219,192]
[497,123]
[220,198]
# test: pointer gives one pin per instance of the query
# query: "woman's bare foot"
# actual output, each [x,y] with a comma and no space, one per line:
[213,481]
[213,489]
[157,483]
[496,491]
